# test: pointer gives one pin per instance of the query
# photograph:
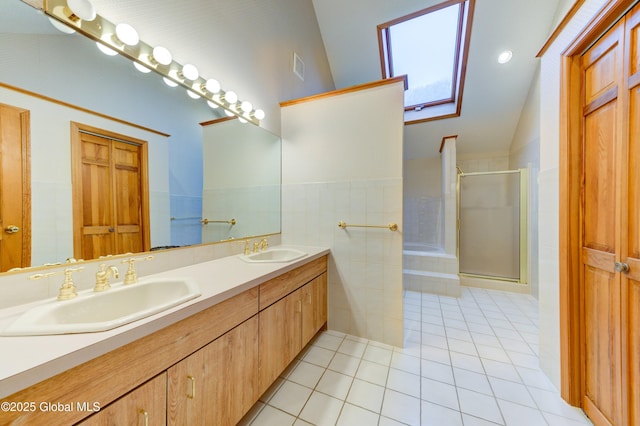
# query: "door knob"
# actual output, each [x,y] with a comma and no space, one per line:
[11,229]
[621,267]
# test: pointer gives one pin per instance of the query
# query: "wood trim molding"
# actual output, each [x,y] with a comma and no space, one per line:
[387,81]
[444,138]
[81,109]
[561,26]
[217,121]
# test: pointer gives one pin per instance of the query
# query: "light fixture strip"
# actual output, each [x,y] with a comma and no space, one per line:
[103,31]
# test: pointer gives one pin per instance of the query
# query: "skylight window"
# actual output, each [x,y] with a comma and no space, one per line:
[430,48]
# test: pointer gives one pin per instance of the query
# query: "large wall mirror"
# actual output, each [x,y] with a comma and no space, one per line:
[200,166]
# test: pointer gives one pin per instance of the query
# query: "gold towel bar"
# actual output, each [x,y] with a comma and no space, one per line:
[207,221]
[390,227]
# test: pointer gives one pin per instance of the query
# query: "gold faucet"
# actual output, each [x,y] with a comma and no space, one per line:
[67,289]
[246,247]
[102,277]
[132,276]
[260,245]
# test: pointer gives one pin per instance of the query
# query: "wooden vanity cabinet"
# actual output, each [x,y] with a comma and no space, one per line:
[290,322]
[145,405]
[209,368]
[216,385]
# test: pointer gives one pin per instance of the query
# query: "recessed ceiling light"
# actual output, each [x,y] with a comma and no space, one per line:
[505,56]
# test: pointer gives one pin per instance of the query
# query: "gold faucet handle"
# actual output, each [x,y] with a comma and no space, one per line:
[264,244]
[68,288]
[132,276]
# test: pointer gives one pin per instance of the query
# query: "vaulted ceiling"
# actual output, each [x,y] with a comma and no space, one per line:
[494,94]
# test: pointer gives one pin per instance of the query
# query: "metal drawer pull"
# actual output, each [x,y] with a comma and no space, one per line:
[146,417]
[621,267]
[193,387]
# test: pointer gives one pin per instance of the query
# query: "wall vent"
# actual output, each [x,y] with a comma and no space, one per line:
[298,66]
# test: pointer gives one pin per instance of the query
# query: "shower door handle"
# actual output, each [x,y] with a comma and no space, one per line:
[621,267]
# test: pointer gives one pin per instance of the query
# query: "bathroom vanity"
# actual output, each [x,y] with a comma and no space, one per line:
[206,361]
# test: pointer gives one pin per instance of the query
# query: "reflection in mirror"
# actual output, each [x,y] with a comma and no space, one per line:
[62,78]
[241,181]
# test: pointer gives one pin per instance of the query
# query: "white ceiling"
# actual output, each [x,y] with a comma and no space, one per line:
[494,94]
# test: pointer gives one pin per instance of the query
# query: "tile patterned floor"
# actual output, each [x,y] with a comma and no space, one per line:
[468,361]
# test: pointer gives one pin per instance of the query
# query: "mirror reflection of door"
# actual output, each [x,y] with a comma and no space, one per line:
[15,188]
[110,193]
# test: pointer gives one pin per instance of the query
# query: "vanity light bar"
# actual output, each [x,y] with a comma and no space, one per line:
[102,31]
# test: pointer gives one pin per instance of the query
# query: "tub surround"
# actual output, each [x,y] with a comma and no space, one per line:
[32,359]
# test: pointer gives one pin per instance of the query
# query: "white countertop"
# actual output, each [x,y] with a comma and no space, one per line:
[27,360]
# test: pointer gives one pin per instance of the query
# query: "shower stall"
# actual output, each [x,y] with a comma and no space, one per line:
[492,225]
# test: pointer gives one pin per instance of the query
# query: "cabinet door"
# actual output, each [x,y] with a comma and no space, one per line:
[218,384]
[145,405]
[280,337]
[314,307]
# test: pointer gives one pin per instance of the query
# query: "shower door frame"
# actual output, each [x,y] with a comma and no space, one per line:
[524,225]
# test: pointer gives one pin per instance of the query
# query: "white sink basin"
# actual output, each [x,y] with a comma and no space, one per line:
[90,311]
[274,255]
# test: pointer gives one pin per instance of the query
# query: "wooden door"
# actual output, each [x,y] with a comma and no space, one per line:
[610,200]
[314,307]
[279,337]
[110,193]
[631,236]
[15,188]
[145,405]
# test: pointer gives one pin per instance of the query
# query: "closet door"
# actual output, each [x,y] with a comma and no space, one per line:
[610,216]
[631,242]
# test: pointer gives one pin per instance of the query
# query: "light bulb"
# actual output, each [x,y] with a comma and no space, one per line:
[106,50]
[193,95]
[259,114]
[141,68]
[213,105]
[212,85]
[505,56]
[169,82]
[83,9]
[246,106]
[190,72]
[242,120]
[229,113]
[127,34]
[60,26]
[231,97]
[162,55]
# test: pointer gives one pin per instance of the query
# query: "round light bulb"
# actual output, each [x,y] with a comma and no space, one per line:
[162,55]
[246,106]
[127,34]
[141,68]
[228,113]
[106,50]
[212,85]
[169,82]
[193,95]
[83,9]
[60,26]
[259,114]
[190,72]
[231,97]
[242,120]
[505,56]
[213,105]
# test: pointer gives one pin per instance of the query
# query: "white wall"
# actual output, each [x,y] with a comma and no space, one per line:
[548,209]
[423,212]
[342,160]
[525,153]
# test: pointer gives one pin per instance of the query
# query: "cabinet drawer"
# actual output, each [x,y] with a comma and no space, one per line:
[277,288]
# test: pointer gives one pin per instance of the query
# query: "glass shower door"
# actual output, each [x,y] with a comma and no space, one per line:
[491,238]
